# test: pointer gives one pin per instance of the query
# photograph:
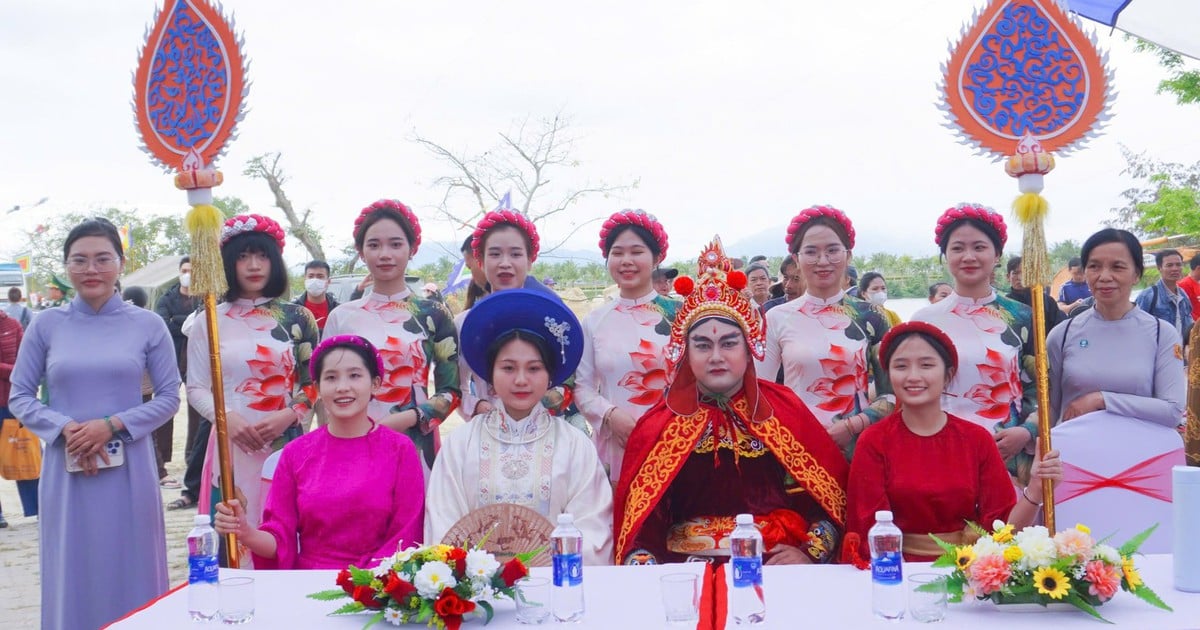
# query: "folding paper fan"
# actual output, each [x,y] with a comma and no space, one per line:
[506,529]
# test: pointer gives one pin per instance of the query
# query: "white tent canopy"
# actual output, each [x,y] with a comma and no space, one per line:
[1173,24]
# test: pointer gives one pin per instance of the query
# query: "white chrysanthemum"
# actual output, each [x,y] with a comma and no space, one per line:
[1107,554]
[433,578]
[1036,551]
[987,547]
[1032,532]
[393,616]
[481,565]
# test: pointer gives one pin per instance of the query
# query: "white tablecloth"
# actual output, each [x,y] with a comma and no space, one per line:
[614,597]
[838,596]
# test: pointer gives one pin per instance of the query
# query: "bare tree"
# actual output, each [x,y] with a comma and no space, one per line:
[266,167]
[523,161]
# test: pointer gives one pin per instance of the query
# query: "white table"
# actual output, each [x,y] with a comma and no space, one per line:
[839,596]
[614,597]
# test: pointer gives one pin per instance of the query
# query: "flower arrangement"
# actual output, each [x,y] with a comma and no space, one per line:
[434,584]
[1032,567]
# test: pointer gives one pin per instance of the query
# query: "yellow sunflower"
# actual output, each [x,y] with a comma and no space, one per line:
[1052,582]
[1003,534]
[965,556]
[1132,577]
[1012,554]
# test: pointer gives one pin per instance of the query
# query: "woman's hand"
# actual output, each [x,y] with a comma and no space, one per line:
[482,407]
[1044,467]
[841,431]
[787,554]
[1011,440]
[1086,403]
[621,423]
[243,433]
[87,439]
[401,420]
[231,519]
[273,426]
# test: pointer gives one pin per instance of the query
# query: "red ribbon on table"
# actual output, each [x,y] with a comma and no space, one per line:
[1151,478]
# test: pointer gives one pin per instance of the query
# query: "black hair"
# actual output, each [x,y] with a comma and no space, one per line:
[256,243]
[1160,256]
[98,226]
[982,226]
[866,280]
[1014,264]
[368,358]
[788,261]
[757,258]
[756,267]
[137,295]
[377,215]
[933,288]
[185,260]
[894,344]
[549,359]
[506,225]
[466,246]
[641,232]
[832,224]
[1195,261]
[1074,262]
[1113,235]
[14,294]
[318,264]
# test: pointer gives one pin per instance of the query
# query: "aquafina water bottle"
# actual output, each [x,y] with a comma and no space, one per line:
[888,599]
[202,570]
[566,549]
[746,600]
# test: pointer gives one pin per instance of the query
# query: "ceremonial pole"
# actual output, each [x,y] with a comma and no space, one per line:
[1191,436]
[1024,81]
[189,91]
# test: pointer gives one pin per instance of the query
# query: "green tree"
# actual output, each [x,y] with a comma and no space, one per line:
[1183,80]
[1164,202]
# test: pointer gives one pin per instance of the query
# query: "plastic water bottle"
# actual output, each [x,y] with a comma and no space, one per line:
[202,570]
[566,549]
[746,598]
[888,599]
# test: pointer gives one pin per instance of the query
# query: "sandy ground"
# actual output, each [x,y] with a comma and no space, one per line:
[20,583]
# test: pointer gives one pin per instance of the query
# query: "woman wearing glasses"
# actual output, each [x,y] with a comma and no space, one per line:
[100,503]
[824,341]
[993,387]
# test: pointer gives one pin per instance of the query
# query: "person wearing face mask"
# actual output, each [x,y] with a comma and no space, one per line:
[873,289]
[174,307]
[315,298]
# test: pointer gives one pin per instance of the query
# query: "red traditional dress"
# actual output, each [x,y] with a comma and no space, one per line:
[695,461]
[932,484]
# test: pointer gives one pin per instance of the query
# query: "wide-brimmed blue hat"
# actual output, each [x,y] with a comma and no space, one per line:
[535,312]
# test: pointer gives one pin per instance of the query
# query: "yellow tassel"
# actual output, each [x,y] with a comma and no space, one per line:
[204,223]
[1031,209]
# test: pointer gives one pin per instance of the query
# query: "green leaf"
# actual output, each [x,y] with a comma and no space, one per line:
[487,608]
[361,577]
[977,529]
[425,612]
[1132,545]
[1144,593]
[1078,602]
[936,586]
[349,609]
[328,596]
[376,618]
[530,555]
[945,560]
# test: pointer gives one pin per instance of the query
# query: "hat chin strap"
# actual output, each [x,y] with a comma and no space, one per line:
[683,395]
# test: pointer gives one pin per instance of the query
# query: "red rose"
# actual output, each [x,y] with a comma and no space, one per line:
[365,595]
[345,581]
[450,607]
[513,571]
[397,588]
[457,559]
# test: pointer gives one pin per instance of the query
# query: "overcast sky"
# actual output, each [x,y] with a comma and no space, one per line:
[733,115]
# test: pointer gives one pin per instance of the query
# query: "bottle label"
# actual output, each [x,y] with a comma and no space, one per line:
[747,571]
[568,569]
[886,568]
[202,569]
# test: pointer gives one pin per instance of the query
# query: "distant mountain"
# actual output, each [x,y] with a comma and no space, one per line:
[869,239]
[431,251]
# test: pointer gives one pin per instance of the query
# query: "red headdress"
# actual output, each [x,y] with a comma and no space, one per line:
[919,327]
[962,211]
[796,227]
[395,206]
[511,217]
[639,218]
[244,223]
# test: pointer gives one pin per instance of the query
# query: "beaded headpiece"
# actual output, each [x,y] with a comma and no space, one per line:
[402,210]
[511,217]
[716,291]
[535,312]
[639,218]
[796,228]
[342,341]
[885,348]
[985,215]
[244,223]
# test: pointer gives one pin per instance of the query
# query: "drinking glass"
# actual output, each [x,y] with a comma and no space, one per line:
[927,597]
[533,600]
[237,600]
[681,598]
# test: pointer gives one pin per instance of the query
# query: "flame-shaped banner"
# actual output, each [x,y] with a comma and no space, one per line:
[1025,68]
[189,87]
